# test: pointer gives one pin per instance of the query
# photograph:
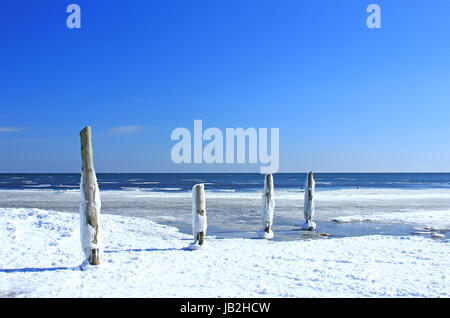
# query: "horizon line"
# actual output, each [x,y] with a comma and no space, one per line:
[329,172]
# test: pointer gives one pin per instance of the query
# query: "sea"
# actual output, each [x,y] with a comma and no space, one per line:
[236,182]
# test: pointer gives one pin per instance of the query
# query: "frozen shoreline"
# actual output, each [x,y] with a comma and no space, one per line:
[41,254]
[237,215]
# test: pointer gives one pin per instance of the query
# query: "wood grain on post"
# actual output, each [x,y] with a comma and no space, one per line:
[200,204]
[90,187]
[310,189]
[268,194]
[308,209]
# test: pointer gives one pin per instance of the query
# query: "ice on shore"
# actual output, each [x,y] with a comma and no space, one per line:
[438,220]
[238,214]
[41,257]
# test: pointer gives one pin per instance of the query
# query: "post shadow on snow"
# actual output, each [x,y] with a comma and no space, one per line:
[38,269]
[10,294]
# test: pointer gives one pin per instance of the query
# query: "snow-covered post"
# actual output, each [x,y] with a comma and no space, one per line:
[268,205]
[308,207]
[90,202]
[199,223]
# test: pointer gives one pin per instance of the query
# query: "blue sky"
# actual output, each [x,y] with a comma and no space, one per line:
[345,98]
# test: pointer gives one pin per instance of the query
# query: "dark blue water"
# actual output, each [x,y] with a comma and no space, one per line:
[239,182]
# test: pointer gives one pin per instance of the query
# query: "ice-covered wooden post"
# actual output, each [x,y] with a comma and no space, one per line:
[308,207]
[90,202]
[268,205]
[199,223]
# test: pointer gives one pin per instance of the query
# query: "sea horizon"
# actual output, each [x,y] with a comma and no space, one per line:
[236,182]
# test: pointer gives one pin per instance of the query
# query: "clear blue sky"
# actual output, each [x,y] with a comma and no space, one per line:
[345,97]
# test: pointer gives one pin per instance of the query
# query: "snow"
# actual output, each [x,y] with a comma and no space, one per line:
[309,225]
[264,235]
[438,220]
[41,257]
[196,246]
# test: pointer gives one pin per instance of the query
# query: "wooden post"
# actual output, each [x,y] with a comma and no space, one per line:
[268,205]
[308,207]
[90,205]
[199,221]
[268,198]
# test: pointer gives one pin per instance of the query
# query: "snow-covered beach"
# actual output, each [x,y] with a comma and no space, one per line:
[375,241]
[41,257]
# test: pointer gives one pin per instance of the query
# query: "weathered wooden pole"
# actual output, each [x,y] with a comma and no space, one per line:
[268,205]
[199,222]
[90,202]
[308,206]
